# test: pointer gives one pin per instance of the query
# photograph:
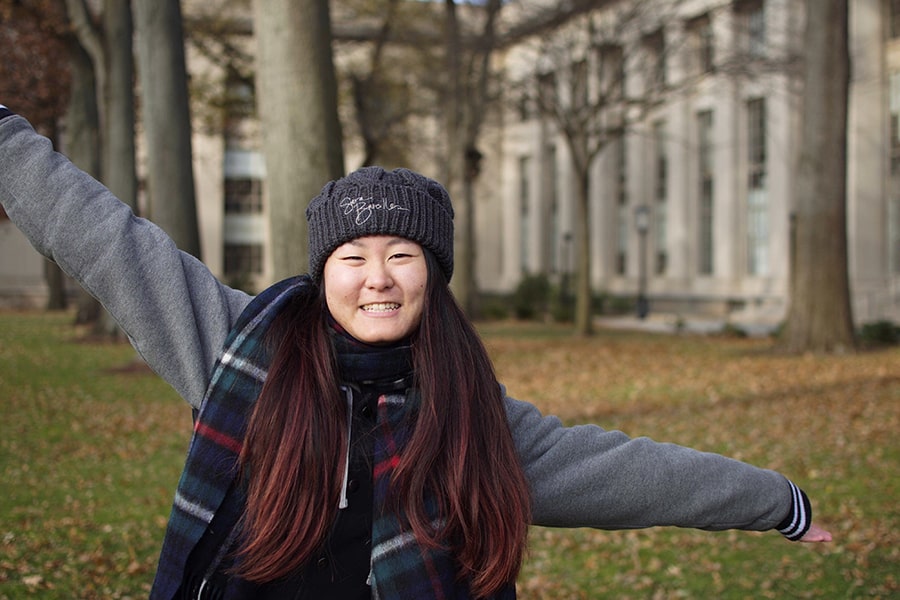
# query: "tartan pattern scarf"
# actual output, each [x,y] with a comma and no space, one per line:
[397,560]
[212,459]
[401,568]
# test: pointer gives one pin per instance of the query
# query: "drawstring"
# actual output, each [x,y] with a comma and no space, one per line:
[370,580]
[344,503]
[214,565]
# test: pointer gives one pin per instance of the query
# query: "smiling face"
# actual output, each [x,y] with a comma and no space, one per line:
[375,287]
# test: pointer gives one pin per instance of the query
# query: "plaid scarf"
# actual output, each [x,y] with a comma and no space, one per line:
[401,568]
[212,457]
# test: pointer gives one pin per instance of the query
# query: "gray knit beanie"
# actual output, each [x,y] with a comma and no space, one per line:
[373,201]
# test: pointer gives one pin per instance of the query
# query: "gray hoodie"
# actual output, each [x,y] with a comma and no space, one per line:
[177,314]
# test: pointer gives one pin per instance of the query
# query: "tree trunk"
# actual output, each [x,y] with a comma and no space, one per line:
[584,325]
[167,121]
[54,277]
[83,146]
[297,103]
[118,153]
[464,110]
[56,286]
[119,171]
[451,107]
[468,288]
[820,318]
[102,108]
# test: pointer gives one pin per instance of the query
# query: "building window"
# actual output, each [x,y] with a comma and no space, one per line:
[894,216]
[547,93]
[894,232]
[611,72]
[523,106]
[525,212]
[894,100]
[239,104]
[621,207]
[243,259]
[752,22]
[579,84]
[661,191]
[243,196]
[655,48]
[757,196]
[705,192]
[702,44]
[894,9]
[555,235]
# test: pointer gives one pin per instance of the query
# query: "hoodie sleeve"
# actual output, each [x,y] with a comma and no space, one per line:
[171,307]
[585,476]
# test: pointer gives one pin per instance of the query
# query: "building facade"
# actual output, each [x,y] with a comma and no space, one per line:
[689,200]
[693,199]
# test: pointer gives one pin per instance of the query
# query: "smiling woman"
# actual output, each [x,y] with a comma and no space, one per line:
[375,287]
[351,438]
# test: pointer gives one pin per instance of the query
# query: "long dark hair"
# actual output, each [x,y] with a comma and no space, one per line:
[461,448]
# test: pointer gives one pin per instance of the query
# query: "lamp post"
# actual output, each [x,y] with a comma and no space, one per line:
[642,224]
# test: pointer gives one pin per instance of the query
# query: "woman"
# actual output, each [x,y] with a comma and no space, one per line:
[351,439]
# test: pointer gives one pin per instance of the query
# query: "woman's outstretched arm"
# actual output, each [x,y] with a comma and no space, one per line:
[171,307]
[585,476]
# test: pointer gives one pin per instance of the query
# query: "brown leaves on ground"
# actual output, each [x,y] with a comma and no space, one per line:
[91,447]
[830,423]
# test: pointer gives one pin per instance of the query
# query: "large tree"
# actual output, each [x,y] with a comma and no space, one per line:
[297,104]
[167,121]
[119,170]
[381,98]
[83,149]
[101,113]
[582,92]
[819,318]
[466,98]
[106,40]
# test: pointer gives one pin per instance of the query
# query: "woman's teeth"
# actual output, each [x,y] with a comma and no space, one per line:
[381,307]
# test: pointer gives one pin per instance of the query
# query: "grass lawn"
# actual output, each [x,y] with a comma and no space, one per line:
[91,446]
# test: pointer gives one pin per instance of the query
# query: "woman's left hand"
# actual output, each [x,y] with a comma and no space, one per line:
[816,534]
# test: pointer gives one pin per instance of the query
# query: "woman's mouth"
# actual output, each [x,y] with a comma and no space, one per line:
[380,307]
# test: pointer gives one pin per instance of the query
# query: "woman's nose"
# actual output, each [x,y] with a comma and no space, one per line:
[378,276]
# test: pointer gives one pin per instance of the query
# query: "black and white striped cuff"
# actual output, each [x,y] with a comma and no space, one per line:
[5,112]
[797,523]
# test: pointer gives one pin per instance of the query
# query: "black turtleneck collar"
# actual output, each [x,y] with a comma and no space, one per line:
[385,366]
